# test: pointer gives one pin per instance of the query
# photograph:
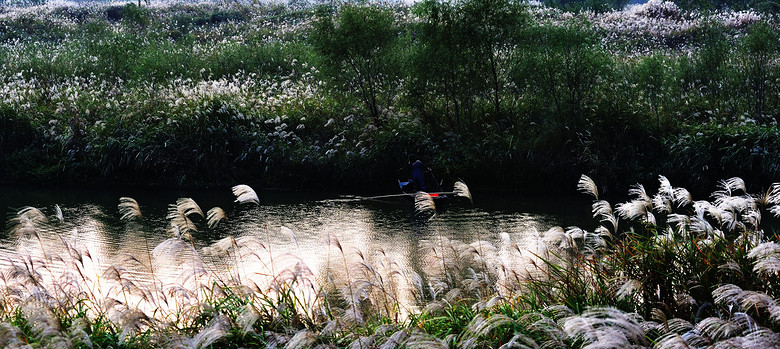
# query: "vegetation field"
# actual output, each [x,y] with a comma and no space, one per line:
[662,270]
[503,95]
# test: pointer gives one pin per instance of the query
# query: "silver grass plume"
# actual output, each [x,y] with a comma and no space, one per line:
[58,213]
[729,187]
[27,221]
[245,194]
[671,341]
[727,294]
[179,214]
[247,317]
[602,210]
[773,195]
[422,341]
[665,187]
[214,216]
[767,257]
[290,232]
[129,209]
[462,190]
[757,300]
[520,341]
[550,333]
[481,326]
[702,208]
[605,328]
[682,197]
[375,340]
[11,336]
[217,329]
[395,340]
[640,193]
[635,210]
[588,186]
[662,203]
[424,205]
[628,289]
[669,197]
[758,338]
[718,329]
[302,340]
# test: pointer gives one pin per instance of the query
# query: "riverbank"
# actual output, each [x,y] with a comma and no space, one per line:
[207,95]
[659,270]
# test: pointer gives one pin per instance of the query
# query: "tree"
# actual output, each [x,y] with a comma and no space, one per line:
[759,45]
[711,63]
[439,66]
[492,27]
[566,62]
[358,46]
[464,50]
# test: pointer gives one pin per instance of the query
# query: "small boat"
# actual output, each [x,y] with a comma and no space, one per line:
[408,187]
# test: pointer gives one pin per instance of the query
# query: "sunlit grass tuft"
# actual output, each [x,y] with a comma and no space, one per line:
[702,273]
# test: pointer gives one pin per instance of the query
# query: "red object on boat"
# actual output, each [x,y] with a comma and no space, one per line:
[434,195]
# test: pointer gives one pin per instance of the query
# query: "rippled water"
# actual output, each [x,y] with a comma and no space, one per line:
[287,231]
[295,221]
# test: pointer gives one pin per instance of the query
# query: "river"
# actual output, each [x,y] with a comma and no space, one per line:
[295,230]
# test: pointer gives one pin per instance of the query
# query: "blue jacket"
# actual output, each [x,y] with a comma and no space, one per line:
[418,175]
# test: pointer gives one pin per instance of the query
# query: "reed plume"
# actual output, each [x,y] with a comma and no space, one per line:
[129,209]
[461,190]
[214,216]
[587,186]
[245,194]
[179,217]
[424,207]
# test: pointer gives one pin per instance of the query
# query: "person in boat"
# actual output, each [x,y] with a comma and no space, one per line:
[418,175]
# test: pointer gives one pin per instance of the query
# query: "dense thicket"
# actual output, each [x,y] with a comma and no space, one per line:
[495,92]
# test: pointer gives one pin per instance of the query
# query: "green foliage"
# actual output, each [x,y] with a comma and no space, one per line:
[481,89]
[442,70]
[358,45]
[564,64]
[759,46]
[650,73]
[710,150]
[136,15]
[464,53]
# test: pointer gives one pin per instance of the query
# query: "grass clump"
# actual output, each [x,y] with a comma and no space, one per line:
[659,270]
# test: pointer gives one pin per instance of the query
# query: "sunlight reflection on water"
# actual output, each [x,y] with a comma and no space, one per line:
[92,252]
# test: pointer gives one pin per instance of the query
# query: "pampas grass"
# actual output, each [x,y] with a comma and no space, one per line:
[461,190]
[245,194]
[587,186]
[424,207]
[129,209]
[214,216]
[701,274]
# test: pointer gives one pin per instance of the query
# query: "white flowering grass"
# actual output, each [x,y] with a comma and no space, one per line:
[495,285]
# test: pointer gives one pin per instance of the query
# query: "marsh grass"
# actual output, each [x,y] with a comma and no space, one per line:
[699,273]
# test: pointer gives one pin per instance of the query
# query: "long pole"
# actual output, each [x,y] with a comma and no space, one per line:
[392,196]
